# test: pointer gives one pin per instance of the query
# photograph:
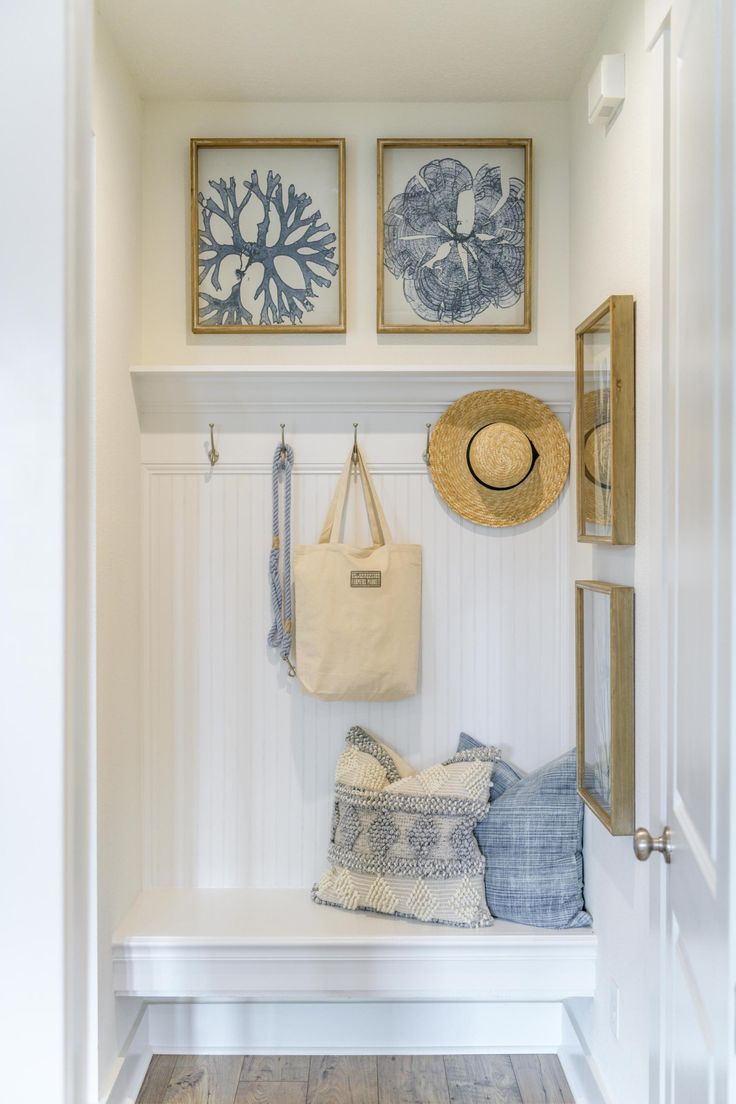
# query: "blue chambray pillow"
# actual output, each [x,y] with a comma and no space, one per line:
[532,840]
[504,774]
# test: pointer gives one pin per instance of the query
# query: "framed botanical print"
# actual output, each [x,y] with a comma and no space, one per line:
[604,640]
[454,235]
[605,387]
[268,235]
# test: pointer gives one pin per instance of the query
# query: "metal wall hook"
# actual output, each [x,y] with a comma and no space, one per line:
[213,454]
[283,442]
[425,454]
[355,458]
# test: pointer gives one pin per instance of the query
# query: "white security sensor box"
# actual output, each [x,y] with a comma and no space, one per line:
[607,88]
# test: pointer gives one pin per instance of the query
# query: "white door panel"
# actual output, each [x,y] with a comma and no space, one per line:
[697,982]
[693,1064]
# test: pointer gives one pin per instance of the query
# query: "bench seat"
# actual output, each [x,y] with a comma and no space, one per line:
[276,944]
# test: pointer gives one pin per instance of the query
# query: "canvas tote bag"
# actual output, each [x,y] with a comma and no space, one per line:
[357,610]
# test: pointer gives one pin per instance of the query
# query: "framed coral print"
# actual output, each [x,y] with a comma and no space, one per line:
[604,639]
[604,372]
[454,235]
[268,235]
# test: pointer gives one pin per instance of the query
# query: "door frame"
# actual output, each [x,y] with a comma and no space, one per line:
[49,949]
[657,43]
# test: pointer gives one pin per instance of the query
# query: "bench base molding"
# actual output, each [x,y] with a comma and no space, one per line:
[463,1027]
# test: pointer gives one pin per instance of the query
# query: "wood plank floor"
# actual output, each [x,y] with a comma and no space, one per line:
[405,1079]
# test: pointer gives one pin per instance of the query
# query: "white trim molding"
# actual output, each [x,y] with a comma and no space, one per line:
[260,467]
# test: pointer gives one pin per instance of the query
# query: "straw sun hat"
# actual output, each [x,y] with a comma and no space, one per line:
[499,457]
[597,457]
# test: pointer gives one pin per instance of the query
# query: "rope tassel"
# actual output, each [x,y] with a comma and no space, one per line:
[280,635]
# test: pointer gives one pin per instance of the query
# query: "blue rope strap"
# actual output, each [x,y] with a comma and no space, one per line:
[280,635]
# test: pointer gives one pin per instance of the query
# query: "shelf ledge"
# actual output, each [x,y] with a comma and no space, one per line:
[183,397]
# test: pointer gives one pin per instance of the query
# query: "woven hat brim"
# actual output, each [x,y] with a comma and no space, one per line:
[454,480]
[596,499]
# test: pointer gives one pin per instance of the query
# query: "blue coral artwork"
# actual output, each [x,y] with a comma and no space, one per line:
[268,249]
[455,242]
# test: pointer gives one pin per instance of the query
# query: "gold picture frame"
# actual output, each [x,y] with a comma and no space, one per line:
[604,677]
[399,316]
[606,423]
[279,305]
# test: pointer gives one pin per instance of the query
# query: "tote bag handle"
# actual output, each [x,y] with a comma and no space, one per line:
[380,532]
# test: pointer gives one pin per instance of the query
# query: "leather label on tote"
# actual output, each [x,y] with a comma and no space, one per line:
[365,578]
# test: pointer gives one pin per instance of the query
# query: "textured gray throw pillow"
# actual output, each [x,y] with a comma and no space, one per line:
[402,841]
[532,840]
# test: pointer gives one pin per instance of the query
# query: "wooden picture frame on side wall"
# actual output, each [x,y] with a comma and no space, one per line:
[604,675]
[605,421]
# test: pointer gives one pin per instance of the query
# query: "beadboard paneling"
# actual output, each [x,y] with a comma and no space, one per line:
[239,762]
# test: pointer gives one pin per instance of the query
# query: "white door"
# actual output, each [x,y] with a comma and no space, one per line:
[696,987]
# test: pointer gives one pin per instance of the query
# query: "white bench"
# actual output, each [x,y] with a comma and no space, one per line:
[277,945]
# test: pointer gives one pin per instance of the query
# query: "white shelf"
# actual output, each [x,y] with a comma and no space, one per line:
[279,945]
[181,397]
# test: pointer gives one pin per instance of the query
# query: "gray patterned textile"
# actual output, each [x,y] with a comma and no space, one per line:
[532,839]
[402,841]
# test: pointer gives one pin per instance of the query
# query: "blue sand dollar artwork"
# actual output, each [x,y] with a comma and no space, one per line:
[289,250]
[457,241]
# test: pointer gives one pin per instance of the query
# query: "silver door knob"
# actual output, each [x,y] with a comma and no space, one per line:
[644,844]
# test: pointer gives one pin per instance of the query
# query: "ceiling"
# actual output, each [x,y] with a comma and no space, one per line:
[346,50]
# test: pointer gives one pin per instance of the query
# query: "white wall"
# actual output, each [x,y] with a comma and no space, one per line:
[239,761]
[610,254]
[118,112]
[167,337]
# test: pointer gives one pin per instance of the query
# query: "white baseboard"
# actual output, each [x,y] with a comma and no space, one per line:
[130,1069]
[360,1027]
[577,1062]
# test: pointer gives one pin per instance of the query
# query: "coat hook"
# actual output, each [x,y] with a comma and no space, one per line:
[283,442]
[425,456]
[213,454]
[356,458]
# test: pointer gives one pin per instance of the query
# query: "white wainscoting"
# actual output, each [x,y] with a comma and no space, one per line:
[238,761]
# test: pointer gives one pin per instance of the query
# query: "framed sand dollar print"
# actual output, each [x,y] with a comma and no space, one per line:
[605,438]
[604,646]
[454,224]
[267,235]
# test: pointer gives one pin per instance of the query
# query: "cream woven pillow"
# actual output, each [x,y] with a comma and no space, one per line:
[402,842]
